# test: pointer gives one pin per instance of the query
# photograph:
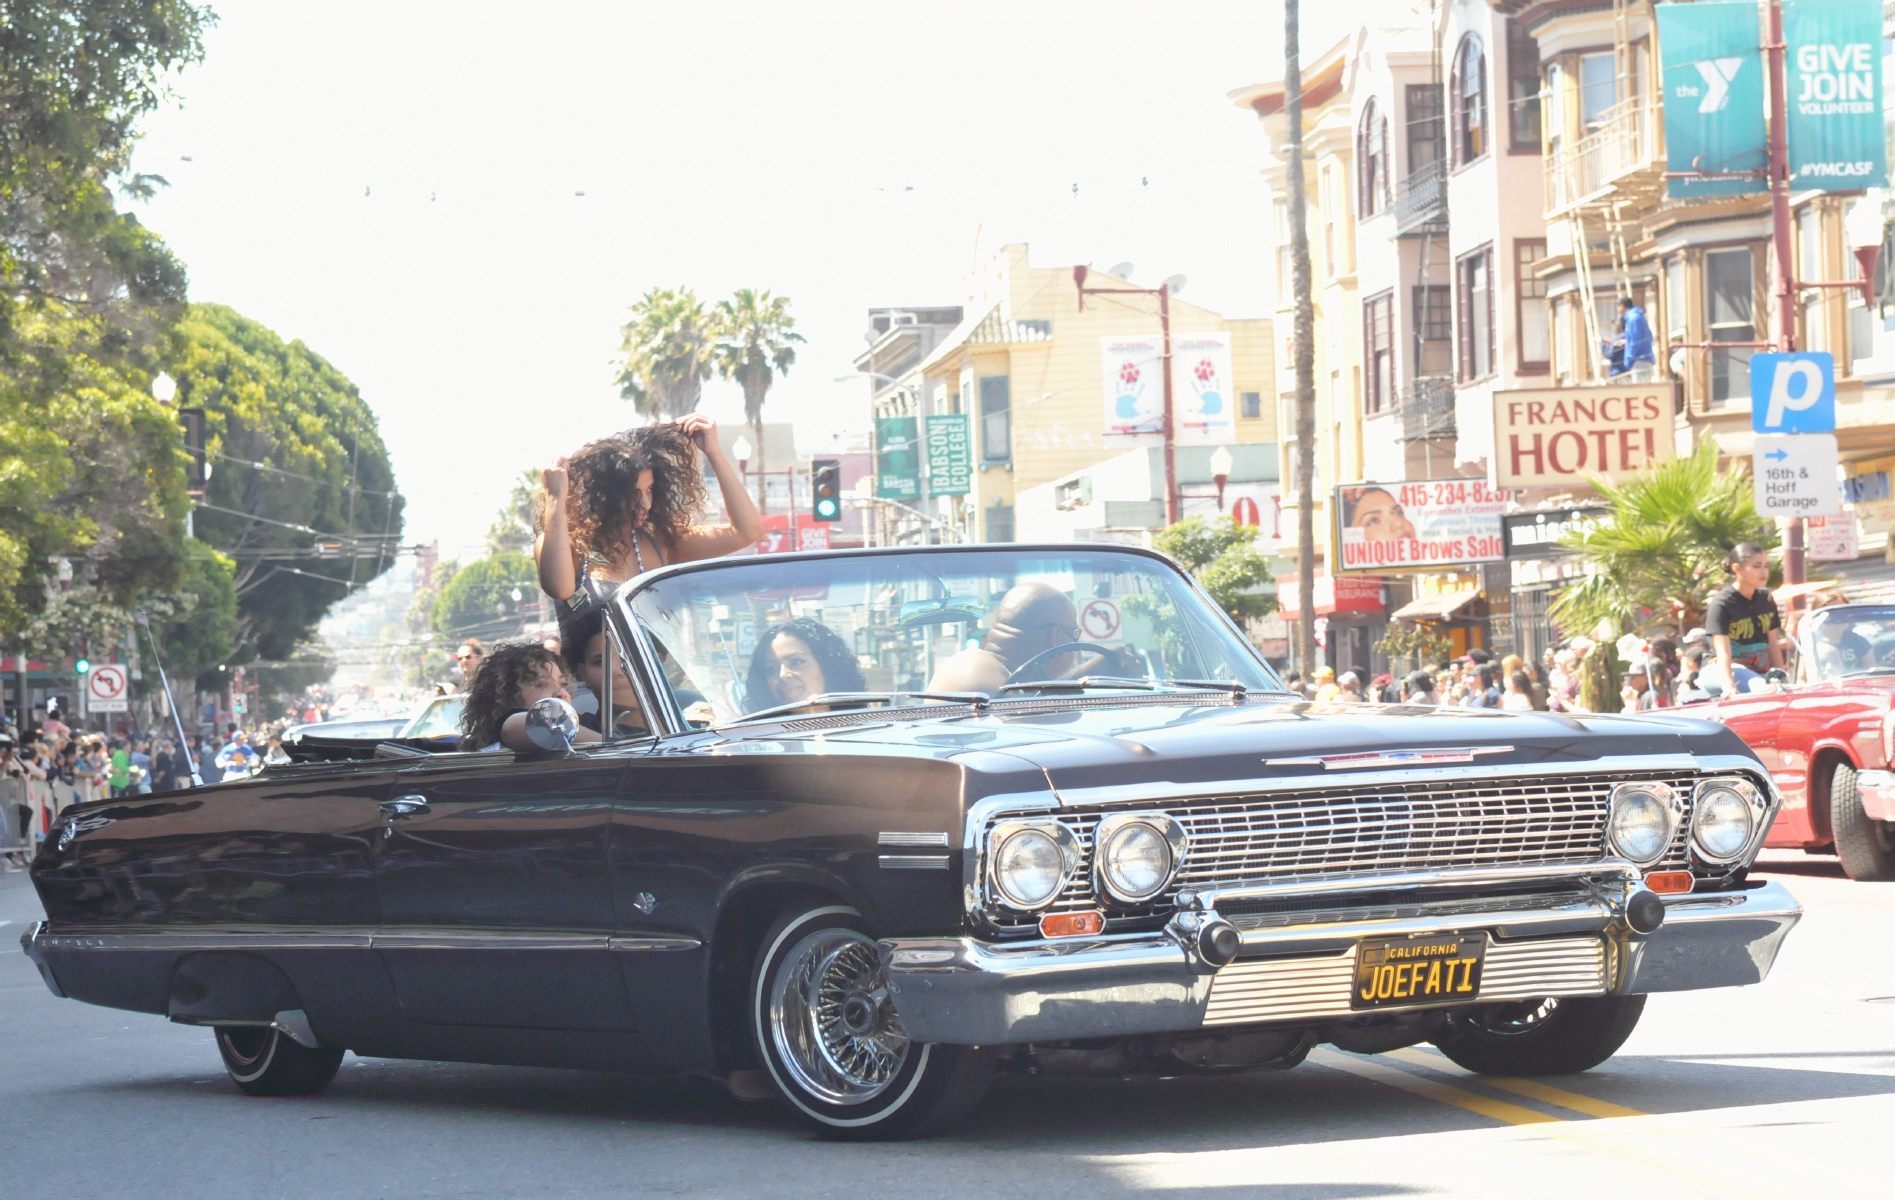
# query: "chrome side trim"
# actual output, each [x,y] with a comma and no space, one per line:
[30,946]
[899,838]
[486,939]
[1613,870]
[173,938]
[662,944]
[913,862]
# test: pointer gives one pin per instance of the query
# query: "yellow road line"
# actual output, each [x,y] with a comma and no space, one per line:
[1531,1089]
[1497,1110]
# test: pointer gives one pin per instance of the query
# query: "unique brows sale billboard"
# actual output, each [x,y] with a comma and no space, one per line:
[1423,523]
[1561,437]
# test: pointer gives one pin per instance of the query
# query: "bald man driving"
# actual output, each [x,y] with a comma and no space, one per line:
[1030,619]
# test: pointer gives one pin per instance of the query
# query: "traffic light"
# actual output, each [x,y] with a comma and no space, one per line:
[825,479]
[82,662]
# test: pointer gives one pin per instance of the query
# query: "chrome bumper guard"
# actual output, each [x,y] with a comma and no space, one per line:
[961,991]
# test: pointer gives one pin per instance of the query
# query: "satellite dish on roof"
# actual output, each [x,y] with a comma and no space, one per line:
[1175,284]
[1122,270]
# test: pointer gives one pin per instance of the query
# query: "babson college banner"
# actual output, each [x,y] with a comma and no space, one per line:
[1714,97]
[1833,73]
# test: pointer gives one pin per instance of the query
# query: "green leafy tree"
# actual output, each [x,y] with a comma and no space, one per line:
[478,600]
[666,353]
[756,342]
[1657,555]
[302,493]
[90,470]
[1224,557]
[74,80]
[512,528]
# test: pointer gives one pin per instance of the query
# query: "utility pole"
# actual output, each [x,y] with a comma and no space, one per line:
[1780,234]
[1302,342]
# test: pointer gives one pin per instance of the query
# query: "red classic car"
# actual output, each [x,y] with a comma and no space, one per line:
[1828,738]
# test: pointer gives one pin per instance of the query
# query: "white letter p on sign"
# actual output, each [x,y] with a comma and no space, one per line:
[1780,398]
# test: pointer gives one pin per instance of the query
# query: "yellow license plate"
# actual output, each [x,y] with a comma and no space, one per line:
[1437,968]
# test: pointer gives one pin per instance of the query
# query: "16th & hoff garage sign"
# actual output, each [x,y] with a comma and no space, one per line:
[1560,437]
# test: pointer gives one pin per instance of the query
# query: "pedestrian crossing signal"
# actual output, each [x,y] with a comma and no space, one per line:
[825,477]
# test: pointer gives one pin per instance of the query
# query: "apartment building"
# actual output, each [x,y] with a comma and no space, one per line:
[1025,367]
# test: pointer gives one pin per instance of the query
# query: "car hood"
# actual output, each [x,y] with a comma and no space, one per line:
[1146,743]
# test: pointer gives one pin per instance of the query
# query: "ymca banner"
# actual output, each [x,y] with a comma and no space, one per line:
[1713,97]
[1833,73]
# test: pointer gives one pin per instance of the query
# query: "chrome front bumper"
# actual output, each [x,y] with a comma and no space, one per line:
[965,992]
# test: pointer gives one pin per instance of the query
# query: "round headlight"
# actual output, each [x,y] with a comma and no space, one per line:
[1721,823]
[1642,822]
[1029,868]
[1136,862]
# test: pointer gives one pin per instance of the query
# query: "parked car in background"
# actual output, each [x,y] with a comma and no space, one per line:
[1828,738]
[811,856]
[439,718]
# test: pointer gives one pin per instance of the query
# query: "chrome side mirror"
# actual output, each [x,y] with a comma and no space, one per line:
[552,724]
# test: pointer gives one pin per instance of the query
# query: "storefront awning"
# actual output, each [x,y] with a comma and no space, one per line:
[1442,606]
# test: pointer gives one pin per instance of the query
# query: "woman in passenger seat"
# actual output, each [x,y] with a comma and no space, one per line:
[796,660]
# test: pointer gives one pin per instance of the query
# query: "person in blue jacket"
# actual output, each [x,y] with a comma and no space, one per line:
[1637,358]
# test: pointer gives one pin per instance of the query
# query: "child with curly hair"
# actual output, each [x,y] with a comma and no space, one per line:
[630,502]
[515,677]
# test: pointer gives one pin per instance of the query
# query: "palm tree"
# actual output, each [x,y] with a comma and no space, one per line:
[754,336]
[1659,553]
[1302,335]
[666,354]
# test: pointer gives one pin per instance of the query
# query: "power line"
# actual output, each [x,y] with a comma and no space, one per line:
[349,487]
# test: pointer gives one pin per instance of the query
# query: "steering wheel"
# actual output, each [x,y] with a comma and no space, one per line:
[1104,652]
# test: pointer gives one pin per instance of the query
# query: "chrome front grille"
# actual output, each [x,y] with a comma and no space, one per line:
[1343,830]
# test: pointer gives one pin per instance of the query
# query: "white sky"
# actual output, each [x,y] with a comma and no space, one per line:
[476,300]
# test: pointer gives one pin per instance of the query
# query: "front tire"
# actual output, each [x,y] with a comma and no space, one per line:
[828,1035]
[264,1061]
[1542,1037]
[1866,848]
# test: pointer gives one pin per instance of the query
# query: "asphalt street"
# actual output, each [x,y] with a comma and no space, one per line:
[1782,1090]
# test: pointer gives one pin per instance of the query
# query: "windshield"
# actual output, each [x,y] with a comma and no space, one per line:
[753,635]
[1838,642]
[441,717]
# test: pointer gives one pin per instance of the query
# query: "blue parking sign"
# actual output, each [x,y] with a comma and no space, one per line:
[1793,393]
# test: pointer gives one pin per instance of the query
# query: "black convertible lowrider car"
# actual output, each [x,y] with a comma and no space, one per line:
[873,825]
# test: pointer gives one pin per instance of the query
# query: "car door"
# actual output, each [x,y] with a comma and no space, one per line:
[496,901]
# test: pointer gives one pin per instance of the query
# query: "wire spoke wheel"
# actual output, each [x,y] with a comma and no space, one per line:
[1515,1019]
[833,1020]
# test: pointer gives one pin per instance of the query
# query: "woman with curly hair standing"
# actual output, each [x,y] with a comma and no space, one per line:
[630,502]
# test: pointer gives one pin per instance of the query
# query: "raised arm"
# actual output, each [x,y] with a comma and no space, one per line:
[743,528]
[552,547]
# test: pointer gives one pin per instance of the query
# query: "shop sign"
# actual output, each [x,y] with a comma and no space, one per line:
[1539,534]
[1201,390]
[1429,523]
[897,459]
[1713,98]
[1334,595]
[1833,77]
[1563,437]
[1794,474]
[786,532]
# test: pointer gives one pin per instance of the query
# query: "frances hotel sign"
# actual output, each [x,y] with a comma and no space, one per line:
[1560,437]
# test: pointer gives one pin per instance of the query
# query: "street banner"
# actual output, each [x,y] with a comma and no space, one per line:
[1201,390]
[1713,97]
[1561,437]
[897,459]
[1793,393]
[1833,77]
[787,532]
[950,465]
[1429,523]
[1133,385]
